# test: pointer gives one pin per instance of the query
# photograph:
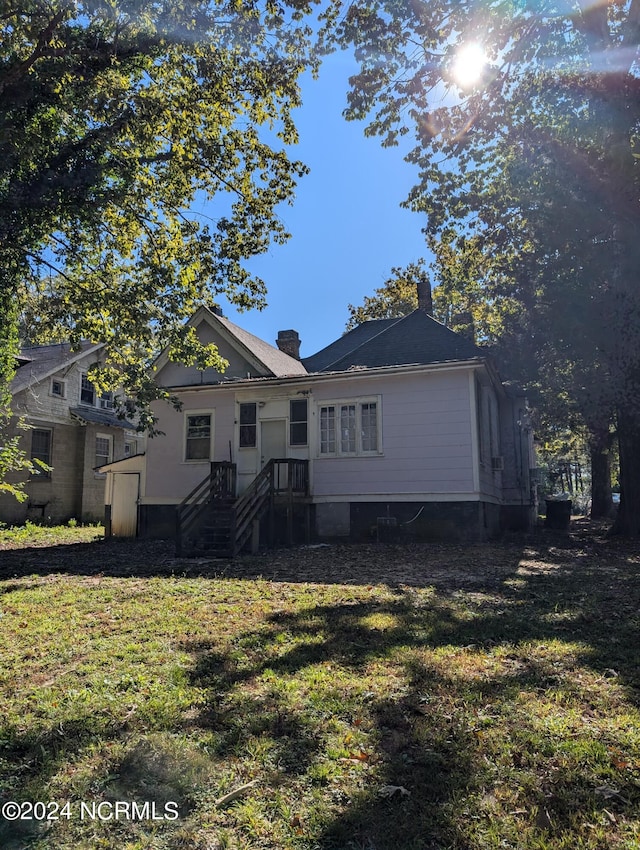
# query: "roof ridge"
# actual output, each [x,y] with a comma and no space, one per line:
[368,340]
[252,344]
[247,333]
[422,340]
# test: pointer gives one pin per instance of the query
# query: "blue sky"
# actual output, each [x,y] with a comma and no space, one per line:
[347,227]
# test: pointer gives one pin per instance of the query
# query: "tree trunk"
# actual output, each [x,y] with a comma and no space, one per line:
[9,341]
[600,451]
[628,519]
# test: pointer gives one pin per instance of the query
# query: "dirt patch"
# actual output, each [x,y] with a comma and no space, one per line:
[443,565]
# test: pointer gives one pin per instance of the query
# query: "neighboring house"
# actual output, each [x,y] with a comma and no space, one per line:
[400,422]
[71,429]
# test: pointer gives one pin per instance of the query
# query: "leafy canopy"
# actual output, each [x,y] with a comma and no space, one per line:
[142,160]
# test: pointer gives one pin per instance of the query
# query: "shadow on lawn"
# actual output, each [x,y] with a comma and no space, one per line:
[432,735]
[113,557]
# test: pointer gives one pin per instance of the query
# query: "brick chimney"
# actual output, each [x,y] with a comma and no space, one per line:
[424,295]
[289,343]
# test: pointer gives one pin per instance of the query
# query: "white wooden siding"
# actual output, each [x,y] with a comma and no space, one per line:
[490,480]
[169,477]
[426,438]
[178,375]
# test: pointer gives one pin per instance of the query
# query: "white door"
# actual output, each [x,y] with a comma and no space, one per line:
[273,436]
[273,439]
[124,504]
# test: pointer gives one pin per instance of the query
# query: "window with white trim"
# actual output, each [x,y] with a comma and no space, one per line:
[41,451]
[198,432]
[87,392]
[350,427]
[58,388]
[106,402]
[104,450]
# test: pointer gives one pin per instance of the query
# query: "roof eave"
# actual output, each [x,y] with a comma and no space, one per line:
[47,374]
[321,377]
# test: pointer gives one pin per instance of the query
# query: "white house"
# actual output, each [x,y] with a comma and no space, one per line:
[400,424]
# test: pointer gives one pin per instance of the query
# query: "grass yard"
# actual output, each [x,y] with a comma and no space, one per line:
[32,535]
[369,698]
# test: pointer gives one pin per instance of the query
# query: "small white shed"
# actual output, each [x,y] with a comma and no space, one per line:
[122,495]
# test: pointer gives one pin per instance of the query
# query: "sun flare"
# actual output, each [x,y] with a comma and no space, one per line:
[469,65]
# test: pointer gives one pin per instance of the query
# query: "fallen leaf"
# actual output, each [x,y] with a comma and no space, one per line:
[610,793]
[237,792]
[390,790]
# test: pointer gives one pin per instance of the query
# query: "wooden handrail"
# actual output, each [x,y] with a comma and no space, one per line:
[266,484]
[250,505]
[282,477]
[220,483]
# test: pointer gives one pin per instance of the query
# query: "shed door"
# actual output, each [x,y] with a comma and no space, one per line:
[124,504]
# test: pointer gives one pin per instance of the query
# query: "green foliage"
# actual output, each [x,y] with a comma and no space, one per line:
[118,122]
[396,297]
[32,534]
[528,179]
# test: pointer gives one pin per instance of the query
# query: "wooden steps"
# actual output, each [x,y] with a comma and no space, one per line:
[210,521]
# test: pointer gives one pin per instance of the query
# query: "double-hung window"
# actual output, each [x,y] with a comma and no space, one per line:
[41,451]
[350,427]
[198,436]
[87,392]
[106,401]
[104,450]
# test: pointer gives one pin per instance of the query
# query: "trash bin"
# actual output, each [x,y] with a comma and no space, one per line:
[558,514]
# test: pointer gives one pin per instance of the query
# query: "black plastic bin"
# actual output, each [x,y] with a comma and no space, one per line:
[558,514]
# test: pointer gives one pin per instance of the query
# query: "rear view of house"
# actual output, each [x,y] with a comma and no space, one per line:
[399,423]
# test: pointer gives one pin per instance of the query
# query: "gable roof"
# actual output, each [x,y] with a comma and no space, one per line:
[41,361]
[267,360]
[275,361]
[413,339]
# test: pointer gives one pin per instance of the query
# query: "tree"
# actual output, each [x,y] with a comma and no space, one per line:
[532,159]
[119,119]
[396,297]
[462,301]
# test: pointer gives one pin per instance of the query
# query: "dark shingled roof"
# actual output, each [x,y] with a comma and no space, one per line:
[40,361]
[347,343]
[100,417]
[416,338]
[276,361]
